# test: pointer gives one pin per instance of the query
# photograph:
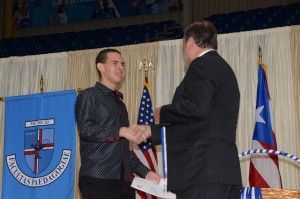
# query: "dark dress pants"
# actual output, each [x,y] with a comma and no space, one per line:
[210,191]
[106,189]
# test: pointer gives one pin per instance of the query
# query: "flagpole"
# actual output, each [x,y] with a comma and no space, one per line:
[264,173]
[78,90]
[164,157]
[259,54]
[41,84]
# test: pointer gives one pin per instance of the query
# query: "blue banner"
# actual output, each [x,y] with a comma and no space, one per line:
[39,146]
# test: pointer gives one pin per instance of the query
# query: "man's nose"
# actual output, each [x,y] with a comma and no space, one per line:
[121,66]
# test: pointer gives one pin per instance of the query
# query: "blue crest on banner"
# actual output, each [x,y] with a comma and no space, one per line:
[38,149]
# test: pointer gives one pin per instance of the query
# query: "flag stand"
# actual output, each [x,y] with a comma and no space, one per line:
[144,151]
[263,169]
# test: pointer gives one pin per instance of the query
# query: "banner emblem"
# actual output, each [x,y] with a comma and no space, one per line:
[38,149]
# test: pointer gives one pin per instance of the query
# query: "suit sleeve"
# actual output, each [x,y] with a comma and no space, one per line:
[192,101]
[137,166]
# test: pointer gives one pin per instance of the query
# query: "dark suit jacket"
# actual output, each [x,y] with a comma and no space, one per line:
[201,126]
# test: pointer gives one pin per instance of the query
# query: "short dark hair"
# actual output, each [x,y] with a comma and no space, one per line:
[204,34]
[102,56]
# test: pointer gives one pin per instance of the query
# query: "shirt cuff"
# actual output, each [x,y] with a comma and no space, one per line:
[113,139]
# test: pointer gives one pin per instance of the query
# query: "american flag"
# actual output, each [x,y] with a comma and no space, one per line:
[264,169]
[144,151]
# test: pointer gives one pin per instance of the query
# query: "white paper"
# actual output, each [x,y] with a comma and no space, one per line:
[152,188]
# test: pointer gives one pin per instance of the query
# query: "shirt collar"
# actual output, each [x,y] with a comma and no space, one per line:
[119,94]
[107,91]
[204,52]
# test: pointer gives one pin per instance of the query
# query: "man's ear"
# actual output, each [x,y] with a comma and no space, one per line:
[191,40]
[100,67]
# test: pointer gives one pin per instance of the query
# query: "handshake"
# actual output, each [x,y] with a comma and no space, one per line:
[136,133]
[139,133]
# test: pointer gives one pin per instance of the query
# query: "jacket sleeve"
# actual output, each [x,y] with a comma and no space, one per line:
[193,97]
[88,130]
[137,166]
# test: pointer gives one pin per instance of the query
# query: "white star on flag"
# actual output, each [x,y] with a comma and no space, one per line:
[258,116]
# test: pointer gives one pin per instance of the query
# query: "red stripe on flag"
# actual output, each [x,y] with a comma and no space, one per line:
[149,160]
[255,179]
[154,153]
[143,195]
[274,157]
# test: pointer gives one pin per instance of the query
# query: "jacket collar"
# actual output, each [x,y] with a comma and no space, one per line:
[108,91]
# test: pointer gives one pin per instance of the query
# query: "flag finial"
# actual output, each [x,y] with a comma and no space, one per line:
[146,64]
[259,54]
[78,90]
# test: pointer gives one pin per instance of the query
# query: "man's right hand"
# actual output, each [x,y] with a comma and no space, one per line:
[144,129]
[129,134]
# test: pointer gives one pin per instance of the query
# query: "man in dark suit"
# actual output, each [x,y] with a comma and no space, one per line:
[201,122]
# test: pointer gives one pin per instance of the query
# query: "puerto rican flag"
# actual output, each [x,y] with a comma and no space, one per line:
[264,169]
[145,151]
